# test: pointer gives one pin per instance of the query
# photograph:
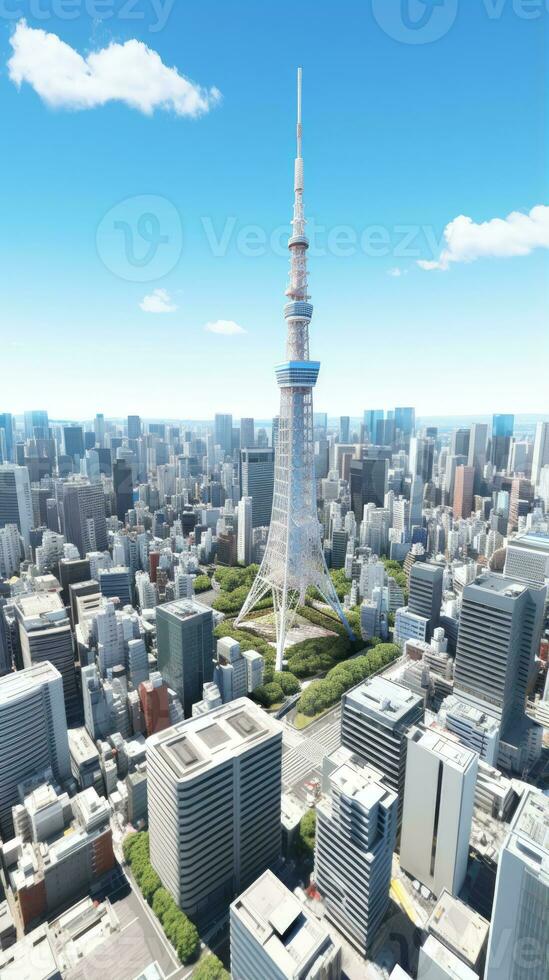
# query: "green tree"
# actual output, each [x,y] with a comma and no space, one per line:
[287,681]
[202,583]
[210,968]
[162,903]
[149,884]
[269,694]
[187,940]
[307,833]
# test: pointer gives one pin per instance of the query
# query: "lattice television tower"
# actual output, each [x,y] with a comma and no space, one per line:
[294,559]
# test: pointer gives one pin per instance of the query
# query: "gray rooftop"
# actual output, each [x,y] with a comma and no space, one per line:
[459,928]
[384,699]
[210,740]
[290,936]
[12,686]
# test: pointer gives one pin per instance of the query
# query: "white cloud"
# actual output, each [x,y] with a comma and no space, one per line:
[396,272]
[159,301]
[130,73]
[517,234]
[226,327]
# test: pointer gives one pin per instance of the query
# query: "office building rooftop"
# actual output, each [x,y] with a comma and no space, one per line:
[184,608]
[14,685]
[289,935]
[381,696]
[529,834]
[449,750]
[206,741]
[459,928]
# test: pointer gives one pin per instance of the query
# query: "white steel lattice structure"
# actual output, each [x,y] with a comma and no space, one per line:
[294,558]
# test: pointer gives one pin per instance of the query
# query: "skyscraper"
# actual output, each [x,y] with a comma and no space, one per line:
[85,521]
[45,635]
[73,437]
[371,417]
[245,530]
[223,432]
[294,558]
[405,420]
[36,424]
[368,482]
[33,733]
[477,451]
[426,592]
[134,427]
[257,482]
[375,717]
[6,438]
[422,452]
[439,794]
[519,932]
[16,499]
[463,491]
[344,428]
[499,633]
[355,839]
[214,785]
[541,451]
[123,487]
[502,433]
[185,648]
[247,434]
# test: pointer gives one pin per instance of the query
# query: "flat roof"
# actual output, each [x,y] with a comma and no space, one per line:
[184,608]
[39,604]
[380,696]
[362,782]
[19,682]
[500,584]
[209,740]
[446,960]
[448,749]
[459,928]
[276,919]
[529,833]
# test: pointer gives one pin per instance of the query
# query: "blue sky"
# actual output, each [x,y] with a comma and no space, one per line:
[399,139]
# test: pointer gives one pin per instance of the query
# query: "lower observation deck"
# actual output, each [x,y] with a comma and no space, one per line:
[297,374]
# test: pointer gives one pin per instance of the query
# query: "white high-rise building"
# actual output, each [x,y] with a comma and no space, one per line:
[244,544]
[355,839]
[10,550]
[439,794]
[274,937]
[214,788]
[16,499]
[33,733]
[518,945]
[540,456]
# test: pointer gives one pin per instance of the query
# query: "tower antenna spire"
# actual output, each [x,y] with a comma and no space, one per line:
[299,126]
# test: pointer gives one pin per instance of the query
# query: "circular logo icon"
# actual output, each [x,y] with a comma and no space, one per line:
[141,238]
[415,21]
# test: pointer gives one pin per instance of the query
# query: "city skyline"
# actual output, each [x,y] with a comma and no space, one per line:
[387,161]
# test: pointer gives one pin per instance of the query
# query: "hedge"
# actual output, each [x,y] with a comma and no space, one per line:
[324,693]
[181,932]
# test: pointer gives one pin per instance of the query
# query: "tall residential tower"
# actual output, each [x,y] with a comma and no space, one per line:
[294,558]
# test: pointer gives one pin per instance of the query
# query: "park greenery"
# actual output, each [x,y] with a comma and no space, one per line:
[322,694]
[283,685]
[202,583]
[180,931]
[210,968]
[234,585]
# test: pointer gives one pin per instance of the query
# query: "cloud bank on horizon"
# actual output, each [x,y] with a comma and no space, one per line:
[131,73]
[467,241]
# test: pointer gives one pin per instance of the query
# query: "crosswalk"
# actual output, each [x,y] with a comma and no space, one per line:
[300,761]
